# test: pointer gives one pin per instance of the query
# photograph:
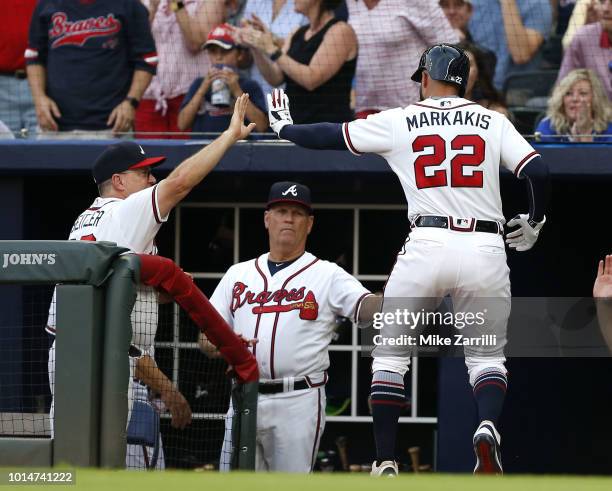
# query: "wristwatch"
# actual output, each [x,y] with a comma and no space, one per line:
[133,101]
[276,55]
[176,5]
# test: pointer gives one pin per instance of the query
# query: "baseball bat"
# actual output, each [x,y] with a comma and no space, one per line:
[342,443]
[415,453]
[268,309]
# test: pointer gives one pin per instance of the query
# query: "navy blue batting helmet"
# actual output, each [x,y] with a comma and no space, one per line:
[445,63]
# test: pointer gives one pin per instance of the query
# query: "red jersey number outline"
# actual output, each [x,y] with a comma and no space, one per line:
[459,161]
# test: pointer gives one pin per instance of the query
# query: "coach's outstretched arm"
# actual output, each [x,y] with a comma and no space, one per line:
[318,136]
[190,172]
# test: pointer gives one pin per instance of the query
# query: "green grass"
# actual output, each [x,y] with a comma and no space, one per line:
[93,479]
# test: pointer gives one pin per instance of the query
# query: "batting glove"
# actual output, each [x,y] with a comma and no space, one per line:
[278,110]
[526,235]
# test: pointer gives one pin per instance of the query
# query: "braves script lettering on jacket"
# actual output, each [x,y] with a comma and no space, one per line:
[291,313]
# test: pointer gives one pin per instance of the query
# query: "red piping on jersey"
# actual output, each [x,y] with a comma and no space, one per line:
[311,385]
[272,375]
[445,108]
[316,438]
[265,289]
[155,210]
[50,330]
[524,162]
[348,139]
[95,208]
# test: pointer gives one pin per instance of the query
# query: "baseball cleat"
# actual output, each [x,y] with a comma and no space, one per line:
[387,468]
[487,449]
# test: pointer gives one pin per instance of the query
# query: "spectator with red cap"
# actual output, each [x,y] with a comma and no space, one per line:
[179,29]
[16,105]
[207,107]
[591,48]
[88,65]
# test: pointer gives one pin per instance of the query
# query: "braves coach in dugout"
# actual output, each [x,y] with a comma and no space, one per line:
[284,304]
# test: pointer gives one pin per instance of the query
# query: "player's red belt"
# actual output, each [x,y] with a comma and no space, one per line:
[459,225]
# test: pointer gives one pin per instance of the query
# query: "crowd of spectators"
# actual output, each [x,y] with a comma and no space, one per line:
[156,68]
[179,33]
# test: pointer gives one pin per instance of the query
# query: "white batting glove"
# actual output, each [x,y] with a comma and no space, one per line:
[523,238]
[278,110]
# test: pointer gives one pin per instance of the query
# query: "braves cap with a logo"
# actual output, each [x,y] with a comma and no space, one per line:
[289,192]
[221,36]
[121,157]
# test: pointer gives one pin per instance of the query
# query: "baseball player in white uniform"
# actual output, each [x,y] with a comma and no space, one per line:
[446,152]
[129,211]
[285,303]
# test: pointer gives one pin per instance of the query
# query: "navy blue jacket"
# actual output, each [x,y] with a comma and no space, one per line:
[90,49]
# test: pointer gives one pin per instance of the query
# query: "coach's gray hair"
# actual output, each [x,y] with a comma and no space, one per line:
[600,105]
[104,187]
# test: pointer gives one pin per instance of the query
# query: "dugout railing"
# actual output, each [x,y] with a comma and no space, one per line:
[95,295]
[96,291]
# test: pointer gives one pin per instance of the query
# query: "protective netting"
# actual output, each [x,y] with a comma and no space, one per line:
[520,50]
[192,404]
[24,385]
[177,420]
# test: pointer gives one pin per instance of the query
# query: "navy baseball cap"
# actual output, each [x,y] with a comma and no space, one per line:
[289,192]
[121,157]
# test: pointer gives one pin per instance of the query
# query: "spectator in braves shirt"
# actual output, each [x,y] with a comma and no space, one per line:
[88,64]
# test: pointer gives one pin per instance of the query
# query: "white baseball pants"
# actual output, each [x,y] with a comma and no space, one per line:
[289,429]
[471,268]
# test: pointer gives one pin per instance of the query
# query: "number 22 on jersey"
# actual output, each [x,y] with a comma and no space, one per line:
[472,155]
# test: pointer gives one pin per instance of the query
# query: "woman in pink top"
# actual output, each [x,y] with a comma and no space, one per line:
[392,34]
[179,29]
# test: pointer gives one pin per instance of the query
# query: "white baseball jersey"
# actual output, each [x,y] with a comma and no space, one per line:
[133,223]
[446,153]
[292,313]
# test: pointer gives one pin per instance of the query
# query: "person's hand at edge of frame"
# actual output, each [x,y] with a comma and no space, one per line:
[602,288]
